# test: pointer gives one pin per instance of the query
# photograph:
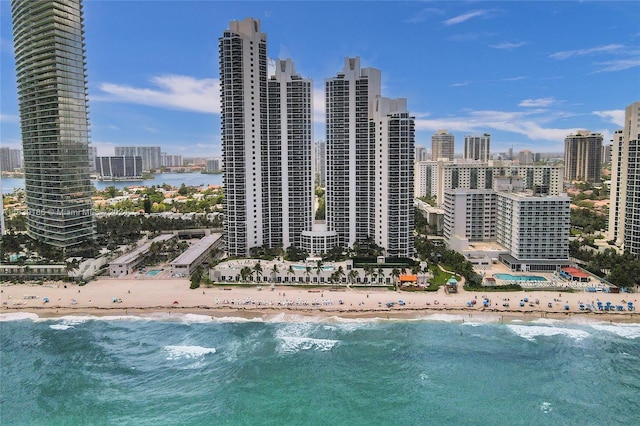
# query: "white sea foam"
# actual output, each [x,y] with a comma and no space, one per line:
[530,332]
[18,316]
[545,407]
[236,319]
[289,345]
[60,326]
[628,331]
[177,352]
[196,319]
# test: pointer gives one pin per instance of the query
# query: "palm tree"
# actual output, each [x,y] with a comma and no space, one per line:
[368,271]
[290,271]
[340,273]
[274,272]
[318,267]
[381,272]
[353,276]
[308,272]
[245,273]
[258,270]
[395,273]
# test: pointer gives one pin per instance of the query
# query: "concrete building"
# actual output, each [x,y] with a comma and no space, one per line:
[320,170]
[10,159]
[214,165]
[583,157]
[93,153]
[525,157]
[370,152]
[433,178]
[169,160]
[442,145]
[530,232]
[477,147]
[421,154]
[151,155]
[52,96]
[266,144]
[129,263]
[119,168]
[606,153]
[624,206]
[195,256]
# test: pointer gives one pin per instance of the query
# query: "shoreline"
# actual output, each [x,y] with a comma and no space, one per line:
[151,297]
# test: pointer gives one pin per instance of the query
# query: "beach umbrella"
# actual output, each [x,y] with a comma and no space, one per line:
[566,307]
[45,300]
[175,302]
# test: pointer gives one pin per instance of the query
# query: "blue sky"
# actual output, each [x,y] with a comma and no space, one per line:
[528,73]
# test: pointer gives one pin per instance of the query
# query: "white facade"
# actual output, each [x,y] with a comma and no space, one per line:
[151,155]
[477,147]
[370,155]
[624,207]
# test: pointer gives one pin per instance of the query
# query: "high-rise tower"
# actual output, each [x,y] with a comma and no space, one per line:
[477,147]
[624,206]
[266,144]
[52,96]
[442,145]
[370,153]
[583,156]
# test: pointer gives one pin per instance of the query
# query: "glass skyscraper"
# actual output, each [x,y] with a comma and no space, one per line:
[52,95]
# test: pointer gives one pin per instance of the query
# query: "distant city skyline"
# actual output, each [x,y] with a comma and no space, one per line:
[469,67]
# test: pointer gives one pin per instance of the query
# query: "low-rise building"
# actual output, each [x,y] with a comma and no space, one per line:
[185,264]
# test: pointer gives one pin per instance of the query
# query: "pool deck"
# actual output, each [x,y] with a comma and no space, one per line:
[553,280]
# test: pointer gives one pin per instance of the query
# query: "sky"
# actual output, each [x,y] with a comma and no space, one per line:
[529,73]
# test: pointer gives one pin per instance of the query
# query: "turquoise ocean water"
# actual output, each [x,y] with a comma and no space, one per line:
[194,370]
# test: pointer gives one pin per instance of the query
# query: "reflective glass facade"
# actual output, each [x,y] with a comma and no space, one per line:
[52,96]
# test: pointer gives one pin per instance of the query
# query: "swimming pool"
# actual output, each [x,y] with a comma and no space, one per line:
[509,277]
[153,273]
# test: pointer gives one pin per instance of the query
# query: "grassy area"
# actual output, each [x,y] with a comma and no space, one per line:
[439,276]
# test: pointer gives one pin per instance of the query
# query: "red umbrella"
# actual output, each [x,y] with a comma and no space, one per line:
[175,302]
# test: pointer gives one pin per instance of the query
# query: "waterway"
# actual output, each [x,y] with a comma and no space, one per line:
[174,179]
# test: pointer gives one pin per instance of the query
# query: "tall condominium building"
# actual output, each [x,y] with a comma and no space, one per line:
[170,160]
[624,206]
[477,147]
[525,157]
[288,207]
[320,171]
[266,144]
[583,156]
[606,153]
[52,97]
[421,154]
[442,145]
[10,159]
[367,142]
[151,155]
[93,153]
[119,168]
[214,165]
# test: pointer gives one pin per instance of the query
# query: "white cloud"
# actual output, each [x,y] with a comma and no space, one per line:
[318,104]
[617,65]
[540,102]
[171,91]
[465,17]
[530,124]
[423,14]
[506,45]
[615,116]
[609,48]
[468,82]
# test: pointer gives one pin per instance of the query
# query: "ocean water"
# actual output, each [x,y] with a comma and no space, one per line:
[195,370]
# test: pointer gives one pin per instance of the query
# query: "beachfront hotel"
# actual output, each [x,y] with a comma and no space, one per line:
[266,144]
[52,97]
[524,230]
[624,207]
[369,167]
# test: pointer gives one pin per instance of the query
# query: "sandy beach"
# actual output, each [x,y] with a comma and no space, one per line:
[107,296]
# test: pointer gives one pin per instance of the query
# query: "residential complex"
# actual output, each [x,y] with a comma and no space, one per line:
[525,231]
[370,152]
[477,147]
[266,144]
[442,145]
[583,157]
[119,168]
[151,155]
[624,220]
[52,97]
[10,159]
[432,178]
